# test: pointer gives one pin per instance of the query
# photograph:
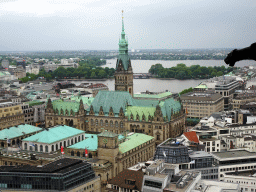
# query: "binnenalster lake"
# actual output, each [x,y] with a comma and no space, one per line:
[157,85]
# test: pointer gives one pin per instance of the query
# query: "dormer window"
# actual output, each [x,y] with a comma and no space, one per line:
[129,181]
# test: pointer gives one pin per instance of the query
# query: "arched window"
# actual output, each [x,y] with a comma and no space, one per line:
[75,140]
[72,142]
[30,148]
[46,148]
[101,122]
[65,144]
[78,153]
[57,147]
[91,121]
[116,123]
[96,122]
[78,138]
[106,123]
[26,146]
[121,124]
[36,148]
[41,148]
[60,144]
[52,147]
[68,142]
[82,137]
[111,123]
[72,153]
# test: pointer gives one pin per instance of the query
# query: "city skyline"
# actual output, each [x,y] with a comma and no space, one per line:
[94,25]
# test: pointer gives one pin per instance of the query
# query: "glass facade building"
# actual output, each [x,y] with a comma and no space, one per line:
[60,175]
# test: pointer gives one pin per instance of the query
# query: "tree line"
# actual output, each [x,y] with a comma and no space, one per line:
[88,69]
[181,71]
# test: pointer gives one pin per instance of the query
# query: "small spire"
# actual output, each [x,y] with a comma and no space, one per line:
[122,20]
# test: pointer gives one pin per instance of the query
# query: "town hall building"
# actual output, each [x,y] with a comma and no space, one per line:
[161,115]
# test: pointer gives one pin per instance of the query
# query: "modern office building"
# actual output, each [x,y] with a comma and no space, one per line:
[61,175]
[201,104]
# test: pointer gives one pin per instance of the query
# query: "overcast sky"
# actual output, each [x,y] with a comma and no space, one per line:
[149,24]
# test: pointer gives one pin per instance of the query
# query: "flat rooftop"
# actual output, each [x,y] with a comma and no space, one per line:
[233,155]
[199,154]
[59,166]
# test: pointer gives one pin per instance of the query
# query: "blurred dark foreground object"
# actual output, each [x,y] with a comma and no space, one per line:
[241,54]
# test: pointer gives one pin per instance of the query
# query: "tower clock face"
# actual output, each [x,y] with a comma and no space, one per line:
[105,141]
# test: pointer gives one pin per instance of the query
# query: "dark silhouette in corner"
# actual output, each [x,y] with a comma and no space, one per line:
[241,54]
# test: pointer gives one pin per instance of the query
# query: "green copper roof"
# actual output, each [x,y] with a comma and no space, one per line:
[18,131]
[107,134]
[114,99]
[54,134]
[133,141]
[65,105]
[86,100]
[90,143]
[201,87]
[123,50]
[158,96]
[35,102]
[167,106]
[140,111]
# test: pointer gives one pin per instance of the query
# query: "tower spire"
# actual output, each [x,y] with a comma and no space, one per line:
[122,20]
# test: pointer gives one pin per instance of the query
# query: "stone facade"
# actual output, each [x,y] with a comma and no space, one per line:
[73,116]
[124,72]
[11,114]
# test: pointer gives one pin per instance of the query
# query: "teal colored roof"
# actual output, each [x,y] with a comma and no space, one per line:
[18,131]
[90,143]
[35,102]
[146,102]
[133,141]
[118,99]
[114,99]
[201,87]
[140,111]
[54,134]
[167,106]
[86,100]
[65,105]
[33,94]
[125,61]
[107,134]
[158,96]
[120,137]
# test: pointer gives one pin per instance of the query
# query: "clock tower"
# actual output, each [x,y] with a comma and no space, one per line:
[108,149]
[124,72]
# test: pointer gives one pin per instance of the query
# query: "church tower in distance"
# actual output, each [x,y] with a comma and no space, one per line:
[123,73]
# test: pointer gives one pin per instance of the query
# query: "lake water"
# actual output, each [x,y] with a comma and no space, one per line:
[157,85]
[142,66]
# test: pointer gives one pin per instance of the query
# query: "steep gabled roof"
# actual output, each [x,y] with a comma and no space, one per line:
[191,136]
[114,99]
[65,105]
[168,105]
[140,111]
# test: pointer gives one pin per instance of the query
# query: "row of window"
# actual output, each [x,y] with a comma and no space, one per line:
[106,123]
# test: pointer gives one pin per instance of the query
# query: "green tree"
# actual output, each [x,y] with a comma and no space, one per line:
[219,73]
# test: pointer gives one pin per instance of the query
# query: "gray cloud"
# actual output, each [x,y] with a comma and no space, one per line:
[92,24]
